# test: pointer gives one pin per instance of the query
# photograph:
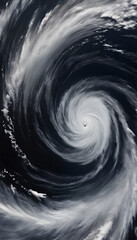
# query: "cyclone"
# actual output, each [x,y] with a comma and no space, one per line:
[68,100]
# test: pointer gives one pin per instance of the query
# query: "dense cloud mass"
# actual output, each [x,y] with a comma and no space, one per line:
[68,98]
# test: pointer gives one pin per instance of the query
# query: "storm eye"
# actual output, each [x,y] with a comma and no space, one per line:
[85,124]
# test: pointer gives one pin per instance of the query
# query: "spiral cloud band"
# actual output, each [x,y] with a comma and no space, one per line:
[68,119]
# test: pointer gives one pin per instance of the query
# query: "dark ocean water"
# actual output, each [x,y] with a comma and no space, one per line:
[68,100]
